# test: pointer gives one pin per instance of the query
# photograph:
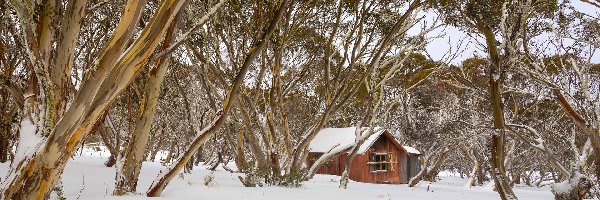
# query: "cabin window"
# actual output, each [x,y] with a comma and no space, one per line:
[381,162]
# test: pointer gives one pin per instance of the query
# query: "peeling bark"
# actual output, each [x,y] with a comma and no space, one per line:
[135,152]
[37,175]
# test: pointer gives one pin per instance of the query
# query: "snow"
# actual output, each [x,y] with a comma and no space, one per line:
[86,177]
[567,185]
[29,142]
[343,138]
[411,150]
[329,137]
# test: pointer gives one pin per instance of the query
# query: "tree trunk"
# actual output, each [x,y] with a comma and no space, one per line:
[323,159]
[198,156]
[159,143]
[240,158]
[473,175]
[169,157]
[127,177]
[162,181]
[574,188]
[593,133]
[498,172]
[36,175]
[496,76]
[516,178]
[433,171]
[5,132]
[112,159]
[476,165]
[419,176]
[359,140]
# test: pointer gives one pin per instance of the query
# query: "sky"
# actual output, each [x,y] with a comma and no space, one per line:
[469,46]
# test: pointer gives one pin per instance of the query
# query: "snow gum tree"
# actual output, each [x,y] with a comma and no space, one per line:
[52,127]
[503,25]
[253,83]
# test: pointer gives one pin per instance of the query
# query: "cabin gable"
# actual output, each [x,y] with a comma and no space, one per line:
[383,160]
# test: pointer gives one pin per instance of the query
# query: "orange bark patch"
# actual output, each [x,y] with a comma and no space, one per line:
[41,193]
[75,138]
[29,168]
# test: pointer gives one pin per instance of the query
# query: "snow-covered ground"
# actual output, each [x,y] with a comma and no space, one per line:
[86,177]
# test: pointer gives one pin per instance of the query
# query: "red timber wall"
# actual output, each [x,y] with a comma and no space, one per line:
[360,170]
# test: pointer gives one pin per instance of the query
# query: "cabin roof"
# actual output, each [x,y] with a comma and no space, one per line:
[330,137]
[411,150]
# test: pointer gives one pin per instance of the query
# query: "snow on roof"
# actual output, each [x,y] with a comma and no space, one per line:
[411,150]
[329,137]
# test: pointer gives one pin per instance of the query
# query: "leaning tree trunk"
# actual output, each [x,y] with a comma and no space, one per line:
[592,132]
[434,170]
[412,182]
[347,166]
[576,187]
[112,159]
[471,181]
[163,180]
[359,140]
[127,175]
[36,175]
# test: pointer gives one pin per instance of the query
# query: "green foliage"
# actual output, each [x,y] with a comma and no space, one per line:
[294,179]
[255,176]
[555,64]
[461,13]
[258,176]
[417,67]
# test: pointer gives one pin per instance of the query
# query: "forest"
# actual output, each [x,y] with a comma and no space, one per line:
[512,100]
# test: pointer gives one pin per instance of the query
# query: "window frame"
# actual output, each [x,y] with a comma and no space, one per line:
[381,166]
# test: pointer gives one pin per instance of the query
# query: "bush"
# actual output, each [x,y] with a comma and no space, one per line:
[260,176]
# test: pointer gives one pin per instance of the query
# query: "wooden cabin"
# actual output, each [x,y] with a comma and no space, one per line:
[380,159]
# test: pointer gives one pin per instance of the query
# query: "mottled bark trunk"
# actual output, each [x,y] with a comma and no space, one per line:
[498,172]
[516,178]
[473,175]
[189,166]
[240,158]
[481,175]
[35,176]
[136,150]
[169,157]
[322,160]
[359,140]
[253,142]
[592,132]
[159,144]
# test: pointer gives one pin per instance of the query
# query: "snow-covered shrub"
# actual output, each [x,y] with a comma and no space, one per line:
[255,175]
[294,179]
[263,175]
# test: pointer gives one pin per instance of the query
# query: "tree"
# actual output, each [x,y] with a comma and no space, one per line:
[48,114]
[162,181]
